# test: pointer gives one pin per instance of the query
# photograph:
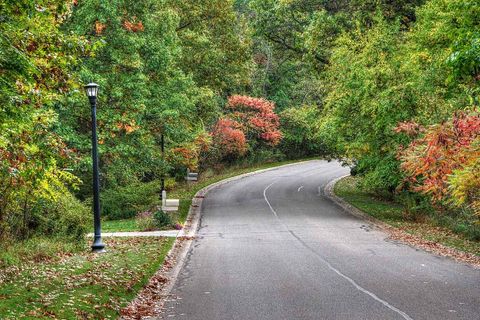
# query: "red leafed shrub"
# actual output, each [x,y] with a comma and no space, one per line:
[228,138]
[258,118]
[133,25]
[410,128]
[436,161]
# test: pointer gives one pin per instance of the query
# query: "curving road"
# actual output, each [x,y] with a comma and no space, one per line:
[272,246]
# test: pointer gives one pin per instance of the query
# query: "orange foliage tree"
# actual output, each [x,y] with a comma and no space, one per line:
[443,160]
[257,117]
[229,138]
[249,123]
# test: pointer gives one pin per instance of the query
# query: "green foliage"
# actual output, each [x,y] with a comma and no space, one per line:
[36,70]
[162,219]
[367,97]
[67,218]
[143,93]
[215,43]
[293,41]
[383,75]
[125,202]
[300,127]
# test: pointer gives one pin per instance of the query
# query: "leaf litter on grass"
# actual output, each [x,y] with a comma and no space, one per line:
[82,286]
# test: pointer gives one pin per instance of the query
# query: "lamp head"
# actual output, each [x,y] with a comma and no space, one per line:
[92,90]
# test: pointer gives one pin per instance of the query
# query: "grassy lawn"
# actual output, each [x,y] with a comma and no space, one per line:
[119,225]
[81,285]
[186,191]
[392,214]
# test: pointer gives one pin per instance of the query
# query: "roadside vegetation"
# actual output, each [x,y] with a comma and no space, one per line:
[457,233]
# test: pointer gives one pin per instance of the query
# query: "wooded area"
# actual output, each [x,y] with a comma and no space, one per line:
[390,87]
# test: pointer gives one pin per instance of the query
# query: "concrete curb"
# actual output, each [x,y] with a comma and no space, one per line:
[160,233]
[329,192]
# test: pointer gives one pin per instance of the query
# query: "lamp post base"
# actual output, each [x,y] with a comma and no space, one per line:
[98,246]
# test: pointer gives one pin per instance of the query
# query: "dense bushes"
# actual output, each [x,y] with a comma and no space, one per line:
[443,160]
[67,218]
[249,125]
[300,127]
[126,202]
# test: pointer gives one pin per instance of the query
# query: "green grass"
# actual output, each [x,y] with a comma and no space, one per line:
[186,191]
[82,285]
[119,225]
[393,214]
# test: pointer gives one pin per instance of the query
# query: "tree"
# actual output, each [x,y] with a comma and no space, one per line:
[249,124]
[300,127]
[257,117]
[228,139]
[144,93]
[36,61]
[442,161]
[216,44]
[367,97]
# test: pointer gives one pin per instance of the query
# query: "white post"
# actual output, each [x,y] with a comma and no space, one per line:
[164,198]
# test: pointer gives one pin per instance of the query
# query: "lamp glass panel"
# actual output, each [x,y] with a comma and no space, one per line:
[92,90]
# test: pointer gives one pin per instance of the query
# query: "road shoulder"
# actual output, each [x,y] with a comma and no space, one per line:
[397,234]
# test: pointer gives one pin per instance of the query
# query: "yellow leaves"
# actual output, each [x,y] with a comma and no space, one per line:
[55,183]
[99,27]
[127,127]
[464,184]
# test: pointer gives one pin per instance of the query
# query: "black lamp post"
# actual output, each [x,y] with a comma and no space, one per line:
[163,162]
[97,246]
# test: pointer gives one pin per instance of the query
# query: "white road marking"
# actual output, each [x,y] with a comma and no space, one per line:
[371,294]
[299,188]
[357,286]
[268,202]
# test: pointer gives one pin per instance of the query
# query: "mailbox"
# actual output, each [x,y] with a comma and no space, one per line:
[191,176]
[169,204]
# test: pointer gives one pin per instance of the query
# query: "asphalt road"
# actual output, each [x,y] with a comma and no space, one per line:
[272,246]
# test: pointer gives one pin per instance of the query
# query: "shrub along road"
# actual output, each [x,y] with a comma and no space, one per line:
[273,246]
